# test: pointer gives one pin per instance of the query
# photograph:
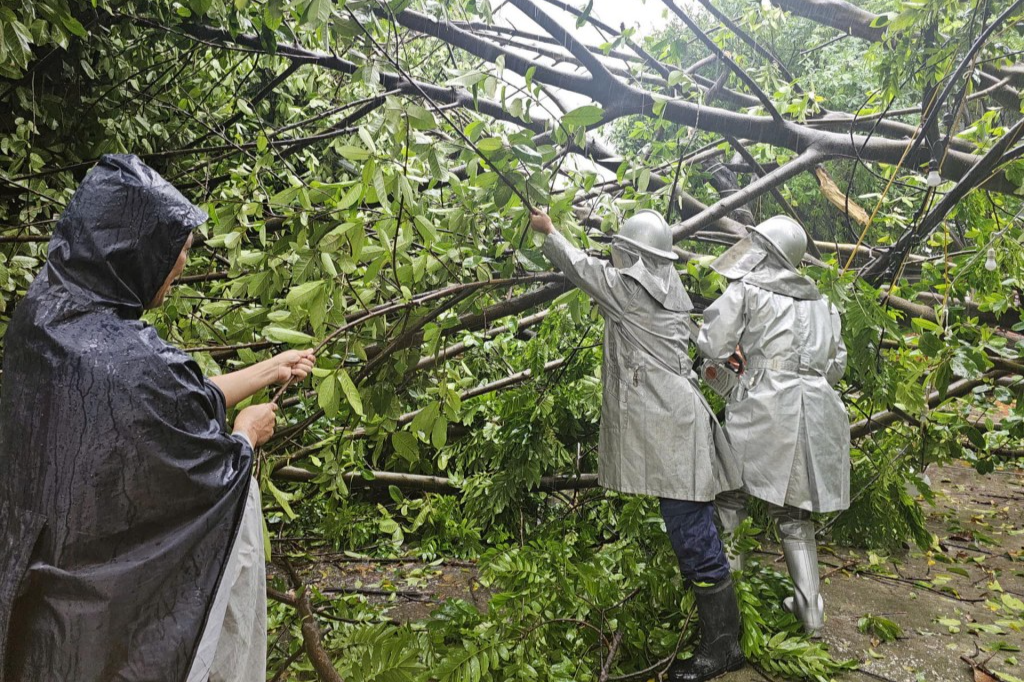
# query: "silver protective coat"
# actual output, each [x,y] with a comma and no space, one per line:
[786,425]
[658,434]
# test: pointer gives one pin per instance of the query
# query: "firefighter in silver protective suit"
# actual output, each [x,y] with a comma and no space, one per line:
[786,425]
[658,434]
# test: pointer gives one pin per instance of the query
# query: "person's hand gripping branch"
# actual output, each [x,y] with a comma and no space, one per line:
[287,367]
[256,422]
[540,222]
[293,365]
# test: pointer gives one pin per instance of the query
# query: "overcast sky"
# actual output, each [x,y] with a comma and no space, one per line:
[630,12]
[644,14]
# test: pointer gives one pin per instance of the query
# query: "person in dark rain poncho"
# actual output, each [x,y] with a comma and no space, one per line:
[130,529]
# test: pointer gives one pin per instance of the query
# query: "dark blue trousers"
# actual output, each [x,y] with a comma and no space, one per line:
[691,530]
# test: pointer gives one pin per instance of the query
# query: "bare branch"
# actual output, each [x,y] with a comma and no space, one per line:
[312,641]
[749,40]
[881,420]
[430,484]
[596,68]
[749,193]
[839,15]
[726,59]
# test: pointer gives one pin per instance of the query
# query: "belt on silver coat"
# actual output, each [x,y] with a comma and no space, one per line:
[783,366]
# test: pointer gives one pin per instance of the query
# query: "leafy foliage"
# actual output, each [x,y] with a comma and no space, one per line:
[881,627]
[345,203]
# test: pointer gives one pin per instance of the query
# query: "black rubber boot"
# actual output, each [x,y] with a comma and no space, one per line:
[719,650]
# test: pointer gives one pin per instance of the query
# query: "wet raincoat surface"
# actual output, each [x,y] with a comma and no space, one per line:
[122,490]
[786,424]
[657,432]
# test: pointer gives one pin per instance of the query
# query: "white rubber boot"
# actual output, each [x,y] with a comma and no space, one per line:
[797,532]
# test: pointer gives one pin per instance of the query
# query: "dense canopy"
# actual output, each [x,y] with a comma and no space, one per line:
[368,167]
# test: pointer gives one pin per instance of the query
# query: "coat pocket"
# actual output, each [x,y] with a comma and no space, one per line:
[21,530]
[632,379]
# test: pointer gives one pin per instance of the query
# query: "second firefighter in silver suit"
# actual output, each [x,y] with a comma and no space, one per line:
[786,425]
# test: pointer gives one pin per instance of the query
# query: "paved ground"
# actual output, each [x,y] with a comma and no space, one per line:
[946,610]
[966,600]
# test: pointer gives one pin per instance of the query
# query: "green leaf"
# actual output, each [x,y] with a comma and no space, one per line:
[354,194]
[923,325]
[1012,603]
[331,241]
[420,118]
[328,263]
[316,12]
[527,154]
[489,144]
[301,295]
[677,77]
[282,498]
[353,153]
[473,129]
[930,344]
[882,20]
[74,26]
[282,335]
[379,187]
[423,422]
[468,80]
[406,446]
[426,230]
[643,180]
[516,108]
[367,139]
[351,392]
[942,377]
[328,397]
[231,239]
[585,14]
[583,116]
[439,433]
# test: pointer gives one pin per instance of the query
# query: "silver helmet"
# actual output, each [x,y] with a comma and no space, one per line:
[786,235]
[648,232]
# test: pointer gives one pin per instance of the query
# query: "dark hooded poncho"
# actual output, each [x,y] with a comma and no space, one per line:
[121,490]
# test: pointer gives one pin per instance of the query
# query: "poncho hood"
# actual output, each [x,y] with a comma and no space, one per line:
[120,235]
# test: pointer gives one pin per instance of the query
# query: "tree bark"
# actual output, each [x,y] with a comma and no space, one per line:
[431,484]
[839,15]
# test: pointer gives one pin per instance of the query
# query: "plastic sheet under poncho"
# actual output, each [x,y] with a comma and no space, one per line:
[122,490]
